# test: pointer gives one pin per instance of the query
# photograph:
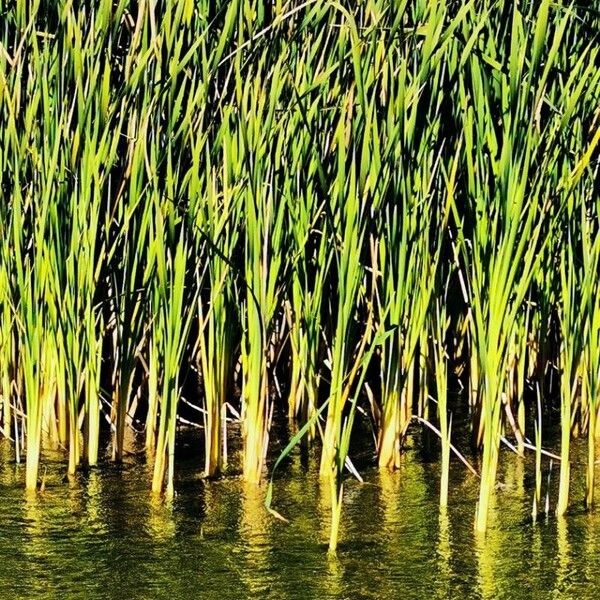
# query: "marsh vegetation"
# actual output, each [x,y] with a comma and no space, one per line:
[350,221]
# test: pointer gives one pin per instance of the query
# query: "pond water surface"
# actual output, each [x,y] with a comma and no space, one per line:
[101,535]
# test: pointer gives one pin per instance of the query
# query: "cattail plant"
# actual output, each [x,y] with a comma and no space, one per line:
[439,330]
[173,320]
[215,227]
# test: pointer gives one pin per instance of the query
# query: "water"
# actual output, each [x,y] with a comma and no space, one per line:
[102,536]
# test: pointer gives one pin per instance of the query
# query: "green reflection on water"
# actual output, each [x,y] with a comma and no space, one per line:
[103,535]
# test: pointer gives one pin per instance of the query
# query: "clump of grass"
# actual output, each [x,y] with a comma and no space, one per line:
[331,195]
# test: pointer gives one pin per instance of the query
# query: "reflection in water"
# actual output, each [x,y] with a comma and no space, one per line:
[444,556]
[161,524]
[389,484]
[37,541]
[514,479]
[104,536]
[486,567]
[537,546]
[93,507]
[563,552]
[254,532]
[334,581]
[325,513]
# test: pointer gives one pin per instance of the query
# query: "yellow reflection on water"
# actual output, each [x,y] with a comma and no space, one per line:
[255,520]
[334,583]
[34,515]
[444,556]
[161,524]
[255,529]
[324,512]
[489,547]
[389,485]
[94,510]
[36,544]
[486,579]
[514,476]
[563,550]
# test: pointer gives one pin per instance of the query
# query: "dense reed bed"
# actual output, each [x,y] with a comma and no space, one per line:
[315,212]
